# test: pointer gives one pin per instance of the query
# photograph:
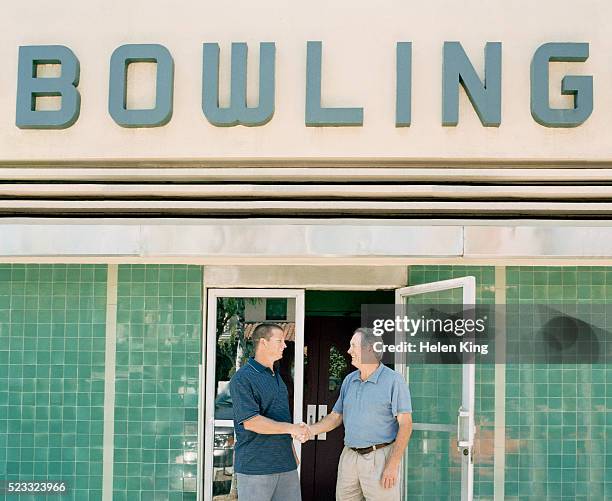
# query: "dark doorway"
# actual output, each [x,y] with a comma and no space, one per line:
[331,319]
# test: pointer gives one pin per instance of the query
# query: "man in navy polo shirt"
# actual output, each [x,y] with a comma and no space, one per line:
[265,462]
[374,405]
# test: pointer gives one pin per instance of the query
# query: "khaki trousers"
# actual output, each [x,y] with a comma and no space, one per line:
[359,476]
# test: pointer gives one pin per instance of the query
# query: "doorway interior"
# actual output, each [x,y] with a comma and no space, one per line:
[319,324]
[331,319]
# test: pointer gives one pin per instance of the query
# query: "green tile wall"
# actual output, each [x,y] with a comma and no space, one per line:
[159,327]
[436,395]
[558,419]
[52,344]
[52,353]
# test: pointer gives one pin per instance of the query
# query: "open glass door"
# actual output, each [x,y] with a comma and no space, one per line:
[439,461]
[232,315]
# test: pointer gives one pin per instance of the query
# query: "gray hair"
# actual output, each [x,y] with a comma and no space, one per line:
[368,338]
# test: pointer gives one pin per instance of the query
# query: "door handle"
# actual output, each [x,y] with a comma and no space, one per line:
[311,414]
[322,414]
[465,439]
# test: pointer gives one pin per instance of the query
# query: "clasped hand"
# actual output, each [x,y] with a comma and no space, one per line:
[301,432]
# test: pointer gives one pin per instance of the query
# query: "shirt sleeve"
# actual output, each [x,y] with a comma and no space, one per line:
[400,397]
[339,405]
[245,403]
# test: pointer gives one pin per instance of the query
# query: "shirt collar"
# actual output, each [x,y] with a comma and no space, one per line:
[376,374]
[373,377]
[259,367]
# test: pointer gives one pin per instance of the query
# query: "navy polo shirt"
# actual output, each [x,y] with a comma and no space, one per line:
[256,390]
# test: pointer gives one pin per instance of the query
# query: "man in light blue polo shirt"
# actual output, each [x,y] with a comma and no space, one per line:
[375,407]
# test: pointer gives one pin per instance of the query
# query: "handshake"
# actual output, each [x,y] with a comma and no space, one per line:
[301,432]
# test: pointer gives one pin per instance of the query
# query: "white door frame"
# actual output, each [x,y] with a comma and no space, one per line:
[465,415]
[207,390]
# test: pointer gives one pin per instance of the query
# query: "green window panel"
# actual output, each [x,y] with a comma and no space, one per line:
[159,328]
[557,418]
[436,397]
[52,347]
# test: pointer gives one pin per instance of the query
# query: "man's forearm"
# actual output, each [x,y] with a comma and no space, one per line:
[401,441]
[328,423]
[267,426]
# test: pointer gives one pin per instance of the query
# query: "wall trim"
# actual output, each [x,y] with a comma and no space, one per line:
[499,434]
[109,383]
[305,241]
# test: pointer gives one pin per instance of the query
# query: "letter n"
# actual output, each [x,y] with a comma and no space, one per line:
[485,97]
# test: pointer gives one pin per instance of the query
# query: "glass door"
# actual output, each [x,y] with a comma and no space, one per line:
[439,461]
[232,315]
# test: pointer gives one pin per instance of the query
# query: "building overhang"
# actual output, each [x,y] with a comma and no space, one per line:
[341,242]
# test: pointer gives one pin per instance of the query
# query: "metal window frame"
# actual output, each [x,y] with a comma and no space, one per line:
[206,420]
[468,383]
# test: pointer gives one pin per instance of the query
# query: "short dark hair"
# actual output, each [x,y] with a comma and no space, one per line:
[264,331]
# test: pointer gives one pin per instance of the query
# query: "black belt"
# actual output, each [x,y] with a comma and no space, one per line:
[367,450]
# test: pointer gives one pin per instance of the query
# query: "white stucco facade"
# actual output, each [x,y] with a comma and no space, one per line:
[358,71]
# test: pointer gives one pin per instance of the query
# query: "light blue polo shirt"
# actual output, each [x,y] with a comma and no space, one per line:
[369,408]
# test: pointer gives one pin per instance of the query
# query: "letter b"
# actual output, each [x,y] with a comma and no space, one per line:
[29,87]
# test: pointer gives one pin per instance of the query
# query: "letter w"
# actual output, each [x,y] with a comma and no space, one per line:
[238,113]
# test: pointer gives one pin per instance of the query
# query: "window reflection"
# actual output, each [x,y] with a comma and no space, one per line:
[237,318]
[276,308]
[224,482]
[337,368]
